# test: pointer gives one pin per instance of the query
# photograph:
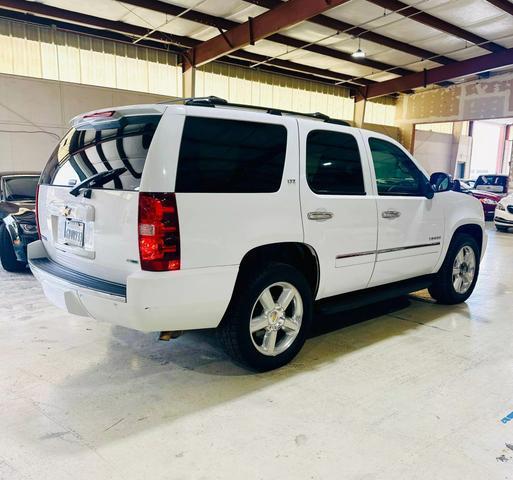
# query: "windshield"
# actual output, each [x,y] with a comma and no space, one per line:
[20,188]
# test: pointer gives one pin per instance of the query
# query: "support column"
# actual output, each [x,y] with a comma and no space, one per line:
[457,129]
[508,154]
[407,132]
[188,80]
[359,111]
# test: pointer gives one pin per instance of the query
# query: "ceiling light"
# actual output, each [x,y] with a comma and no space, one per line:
[359,53]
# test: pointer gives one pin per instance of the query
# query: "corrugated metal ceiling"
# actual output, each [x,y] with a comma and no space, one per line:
[476,16]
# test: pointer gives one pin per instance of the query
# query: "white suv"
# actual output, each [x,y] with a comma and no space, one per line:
[204,214]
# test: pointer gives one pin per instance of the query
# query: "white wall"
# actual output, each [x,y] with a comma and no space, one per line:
[434,151]
[45,108]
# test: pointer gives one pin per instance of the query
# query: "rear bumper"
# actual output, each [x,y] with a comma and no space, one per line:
[489,210]
[150,301]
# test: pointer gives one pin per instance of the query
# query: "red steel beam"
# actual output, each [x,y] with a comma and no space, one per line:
[137,31]
[284,16]
[438,23]
[359,32]
[503,5]
[225,24]
[441,74]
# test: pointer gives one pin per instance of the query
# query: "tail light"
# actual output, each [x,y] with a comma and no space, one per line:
[37,213]
[159,233]
[100,114]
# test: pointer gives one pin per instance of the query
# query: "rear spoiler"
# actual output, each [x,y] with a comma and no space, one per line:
[117,118]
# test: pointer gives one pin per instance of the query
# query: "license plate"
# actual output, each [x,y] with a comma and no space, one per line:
[74,233]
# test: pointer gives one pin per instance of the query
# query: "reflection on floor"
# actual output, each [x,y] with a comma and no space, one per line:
[402,390]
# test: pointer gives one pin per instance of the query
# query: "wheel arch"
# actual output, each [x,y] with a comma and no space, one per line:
[474,230]
[300,255]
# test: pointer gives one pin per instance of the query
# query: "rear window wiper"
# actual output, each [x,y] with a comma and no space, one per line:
[97,180]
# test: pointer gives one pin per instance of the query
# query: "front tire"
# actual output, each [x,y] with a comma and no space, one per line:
[457,277]
[501,228]
[269,317]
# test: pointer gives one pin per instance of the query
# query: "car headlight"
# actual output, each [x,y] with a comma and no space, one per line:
[488,201]
[500,206]
[28,228]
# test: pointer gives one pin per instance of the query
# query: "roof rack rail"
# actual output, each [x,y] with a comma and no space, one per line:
[213,101]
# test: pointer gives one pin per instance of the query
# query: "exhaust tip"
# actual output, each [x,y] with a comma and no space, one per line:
[168,335]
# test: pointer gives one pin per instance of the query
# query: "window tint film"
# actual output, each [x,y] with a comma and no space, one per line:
[396,174]
[230,156]
[333,164]
[84,153]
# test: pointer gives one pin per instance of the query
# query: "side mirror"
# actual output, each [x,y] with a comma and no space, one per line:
[429,191]
[441,182]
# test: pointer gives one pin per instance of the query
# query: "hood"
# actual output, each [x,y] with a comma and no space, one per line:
[15,208]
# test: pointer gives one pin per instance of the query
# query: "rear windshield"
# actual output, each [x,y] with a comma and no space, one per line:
[83,153]
[493,183]
[491,180]
[17,189]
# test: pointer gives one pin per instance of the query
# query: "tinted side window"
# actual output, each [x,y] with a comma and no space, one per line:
[333,164]
[396,174]
[230,156]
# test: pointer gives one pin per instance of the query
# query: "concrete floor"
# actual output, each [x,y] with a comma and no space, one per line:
[403,390]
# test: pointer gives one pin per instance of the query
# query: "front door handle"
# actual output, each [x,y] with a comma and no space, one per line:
[390,214]
[319,215]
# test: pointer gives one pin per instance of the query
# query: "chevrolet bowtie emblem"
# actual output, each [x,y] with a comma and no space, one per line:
[66,212]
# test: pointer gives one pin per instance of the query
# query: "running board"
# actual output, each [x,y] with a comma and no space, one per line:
[360,298]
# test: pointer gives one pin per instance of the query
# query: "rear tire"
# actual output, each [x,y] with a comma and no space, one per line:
[457,277]
[266,332]
[7,255]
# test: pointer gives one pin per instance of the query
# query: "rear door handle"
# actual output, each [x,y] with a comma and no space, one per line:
[319,215]
[390,214]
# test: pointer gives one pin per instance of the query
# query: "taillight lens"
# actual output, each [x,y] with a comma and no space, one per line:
[159,233]
[100,114]
[37,213]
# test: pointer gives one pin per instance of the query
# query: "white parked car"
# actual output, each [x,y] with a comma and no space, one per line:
[204,214]
[504,214]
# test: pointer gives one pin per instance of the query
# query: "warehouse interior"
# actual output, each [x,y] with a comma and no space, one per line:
[403,388]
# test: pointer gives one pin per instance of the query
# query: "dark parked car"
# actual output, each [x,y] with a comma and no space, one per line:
[17,218]
[493,183]
[488,200]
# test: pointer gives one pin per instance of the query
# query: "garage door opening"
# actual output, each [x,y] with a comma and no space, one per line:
[466,149]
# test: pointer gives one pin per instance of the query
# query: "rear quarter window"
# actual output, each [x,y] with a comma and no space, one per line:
[230,156]
[86,152]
